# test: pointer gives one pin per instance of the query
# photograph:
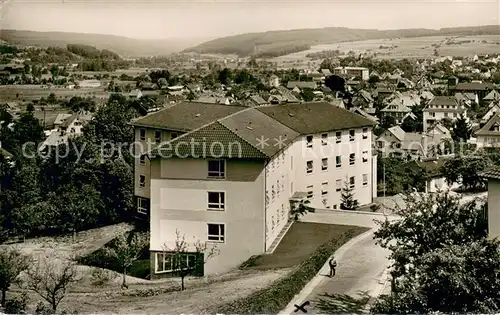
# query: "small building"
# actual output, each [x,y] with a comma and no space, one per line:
[489,134]
[493,215]
[441,108]
[89,84]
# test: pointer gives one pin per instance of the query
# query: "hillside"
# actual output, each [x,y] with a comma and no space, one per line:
[124,46]
[293,40]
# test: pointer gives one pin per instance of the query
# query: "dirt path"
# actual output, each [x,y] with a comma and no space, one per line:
[192,300]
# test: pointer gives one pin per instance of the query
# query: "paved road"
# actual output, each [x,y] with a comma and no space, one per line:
[361,273]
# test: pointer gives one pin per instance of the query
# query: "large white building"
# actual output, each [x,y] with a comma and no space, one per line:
[230,181]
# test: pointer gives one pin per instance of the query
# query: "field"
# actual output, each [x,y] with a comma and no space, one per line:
[35,92]
[416,47]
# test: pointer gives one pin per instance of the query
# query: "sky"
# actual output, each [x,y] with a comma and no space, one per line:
[149,19]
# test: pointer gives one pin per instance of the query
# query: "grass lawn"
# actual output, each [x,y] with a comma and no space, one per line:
[299,243]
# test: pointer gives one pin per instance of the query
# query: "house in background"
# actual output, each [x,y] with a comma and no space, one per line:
[434,178]
[489,134]
[301,85]
[398,111]
[440,108]
[72,126]
[492,110]
[492,96]
[236,192]
[362,73]
[274,81]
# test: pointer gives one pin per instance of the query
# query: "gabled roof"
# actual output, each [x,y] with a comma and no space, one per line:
[186,116]
[361,112]
[396,107]
[493,95]
[487,128]
[397,132]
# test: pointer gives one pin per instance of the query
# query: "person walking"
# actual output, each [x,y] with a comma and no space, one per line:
[333,265]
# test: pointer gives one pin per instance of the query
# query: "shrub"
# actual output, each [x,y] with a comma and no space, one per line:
[43,309]
[275,298]
[101,277]
[16,305]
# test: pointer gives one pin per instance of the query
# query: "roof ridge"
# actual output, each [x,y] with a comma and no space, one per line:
[237,135]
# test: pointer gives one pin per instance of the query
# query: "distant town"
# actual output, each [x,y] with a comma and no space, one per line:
[210,183]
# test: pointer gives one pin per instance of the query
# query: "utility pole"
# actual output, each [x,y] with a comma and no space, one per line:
[383,170]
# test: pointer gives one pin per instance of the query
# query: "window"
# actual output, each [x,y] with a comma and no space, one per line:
[142,205]
[142,134]
[157,136]
[142,180]
[365,133]
[352,158]
[216,232]
[216,200]
[309,167]
[310,191]
[324,164]
[338,136]
[365,180]
[338,161]
[324,189]
[324,139]
[365,156]
[173,135]
[352,182]
[309,141]
[164,263]
[167,262]
[351,135]
[338,185]
[445,115]
[380,144]
[142,159]
[216,168]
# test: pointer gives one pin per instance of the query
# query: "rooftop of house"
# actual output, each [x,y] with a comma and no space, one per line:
[302,84]
[493,95]
[491,128]
[444,100]
[261,132]
[186,116]
[491,173]
[474,86]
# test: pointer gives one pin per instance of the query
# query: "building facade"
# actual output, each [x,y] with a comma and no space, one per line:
[238,198]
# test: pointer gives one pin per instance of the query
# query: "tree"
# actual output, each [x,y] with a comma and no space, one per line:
[78,207]
[347,197]
[462,129]
[127,249]
[52,99]
[388,121]
[465,170]
[186,259]
[307,95]
[12,264]
[51,280]
[441,257]
[300,207]
[225,76]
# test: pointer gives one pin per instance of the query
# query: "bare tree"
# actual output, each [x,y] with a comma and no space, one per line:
[12,264]
[51,280]
[126,250]
[187,258]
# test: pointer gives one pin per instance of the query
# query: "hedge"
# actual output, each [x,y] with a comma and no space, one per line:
[276,297]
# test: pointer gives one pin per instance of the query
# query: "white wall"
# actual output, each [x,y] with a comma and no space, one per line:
[181,203]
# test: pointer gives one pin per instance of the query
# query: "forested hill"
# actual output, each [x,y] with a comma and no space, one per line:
[276,42]
[124,46]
